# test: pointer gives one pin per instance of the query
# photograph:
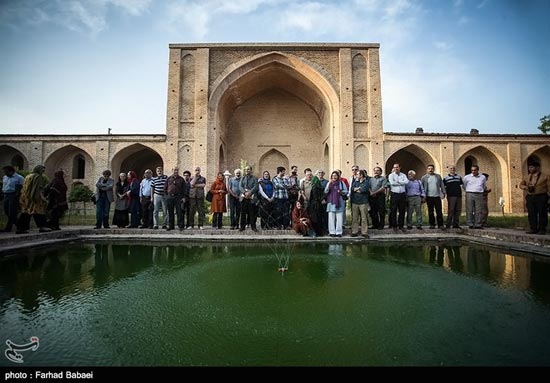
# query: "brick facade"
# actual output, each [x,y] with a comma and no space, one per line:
[312,105]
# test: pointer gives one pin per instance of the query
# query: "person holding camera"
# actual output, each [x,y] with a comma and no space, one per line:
[537,185]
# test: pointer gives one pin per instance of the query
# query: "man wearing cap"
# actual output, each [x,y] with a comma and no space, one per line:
[537,185]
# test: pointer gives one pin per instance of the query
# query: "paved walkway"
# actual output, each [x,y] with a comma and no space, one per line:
[503,238]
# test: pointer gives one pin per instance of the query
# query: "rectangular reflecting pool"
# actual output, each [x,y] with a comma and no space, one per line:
[256,304]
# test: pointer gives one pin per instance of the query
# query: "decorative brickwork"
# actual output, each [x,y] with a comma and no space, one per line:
[312,105]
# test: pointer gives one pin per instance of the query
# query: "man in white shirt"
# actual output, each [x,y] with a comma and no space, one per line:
[474,186]
[398,197]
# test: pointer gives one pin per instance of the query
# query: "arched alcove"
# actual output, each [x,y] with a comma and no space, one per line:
[272,100]
[360,96]
[270,161]
[411,157]
[79,167]
[64,159]
[11,156]
[187,83]
[542,155]
[135,157]
[488,164]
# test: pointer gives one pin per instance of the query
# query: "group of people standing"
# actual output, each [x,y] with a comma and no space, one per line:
[312,205]
[407,194]
[33,196]
[139,203]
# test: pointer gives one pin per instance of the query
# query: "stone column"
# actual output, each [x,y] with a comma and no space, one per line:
[102,159]
[513,195]
[36,154]
[173,97]
[376,132]
[343,137]
[205,142]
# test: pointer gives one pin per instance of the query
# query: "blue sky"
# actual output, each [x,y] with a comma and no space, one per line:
[83,66]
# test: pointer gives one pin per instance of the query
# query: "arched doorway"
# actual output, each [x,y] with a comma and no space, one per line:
[11,156]
[65,158]
[272,100]
[79,167]
[270,161]
[138,158]
[411,157]
[489,165]
[542,155]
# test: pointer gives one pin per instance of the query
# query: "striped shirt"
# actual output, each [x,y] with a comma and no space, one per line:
[159,184]
[452,185]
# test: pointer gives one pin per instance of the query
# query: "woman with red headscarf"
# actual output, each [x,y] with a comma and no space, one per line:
[301,223]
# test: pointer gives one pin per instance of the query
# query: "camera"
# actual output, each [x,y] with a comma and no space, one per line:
[531,189]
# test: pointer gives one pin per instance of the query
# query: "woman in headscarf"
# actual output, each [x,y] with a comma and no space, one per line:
[316,207]
[336,207]
[218,206]
[301,223]
[56,193]
[265,191]
[133,195]
[32,201]
[122,201]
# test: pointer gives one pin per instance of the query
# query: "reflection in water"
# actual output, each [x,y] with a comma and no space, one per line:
[478,262]
[453,255]
[57,271]
[367,304]
[436,255]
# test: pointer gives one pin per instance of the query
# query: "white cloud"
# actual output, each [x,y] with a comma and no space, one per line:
[83,18]
[397,8]
[132,7]
[77,15]
[195,16]
[240,6]
[188,17]
[318,19]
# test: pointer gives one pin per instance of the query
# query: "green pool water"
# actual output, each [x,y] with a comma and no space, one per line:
[131,304]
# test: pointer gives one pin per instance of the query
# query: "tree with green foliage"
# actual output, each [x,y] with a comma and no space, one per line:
[81,193]
[243,164]
[545,124]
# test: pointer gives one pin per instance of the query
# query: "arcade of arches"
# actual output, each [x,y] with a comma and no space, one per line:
[310,105]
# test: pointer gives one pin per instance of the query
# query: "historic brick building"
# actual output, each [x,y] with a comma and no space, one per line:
[313,105]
